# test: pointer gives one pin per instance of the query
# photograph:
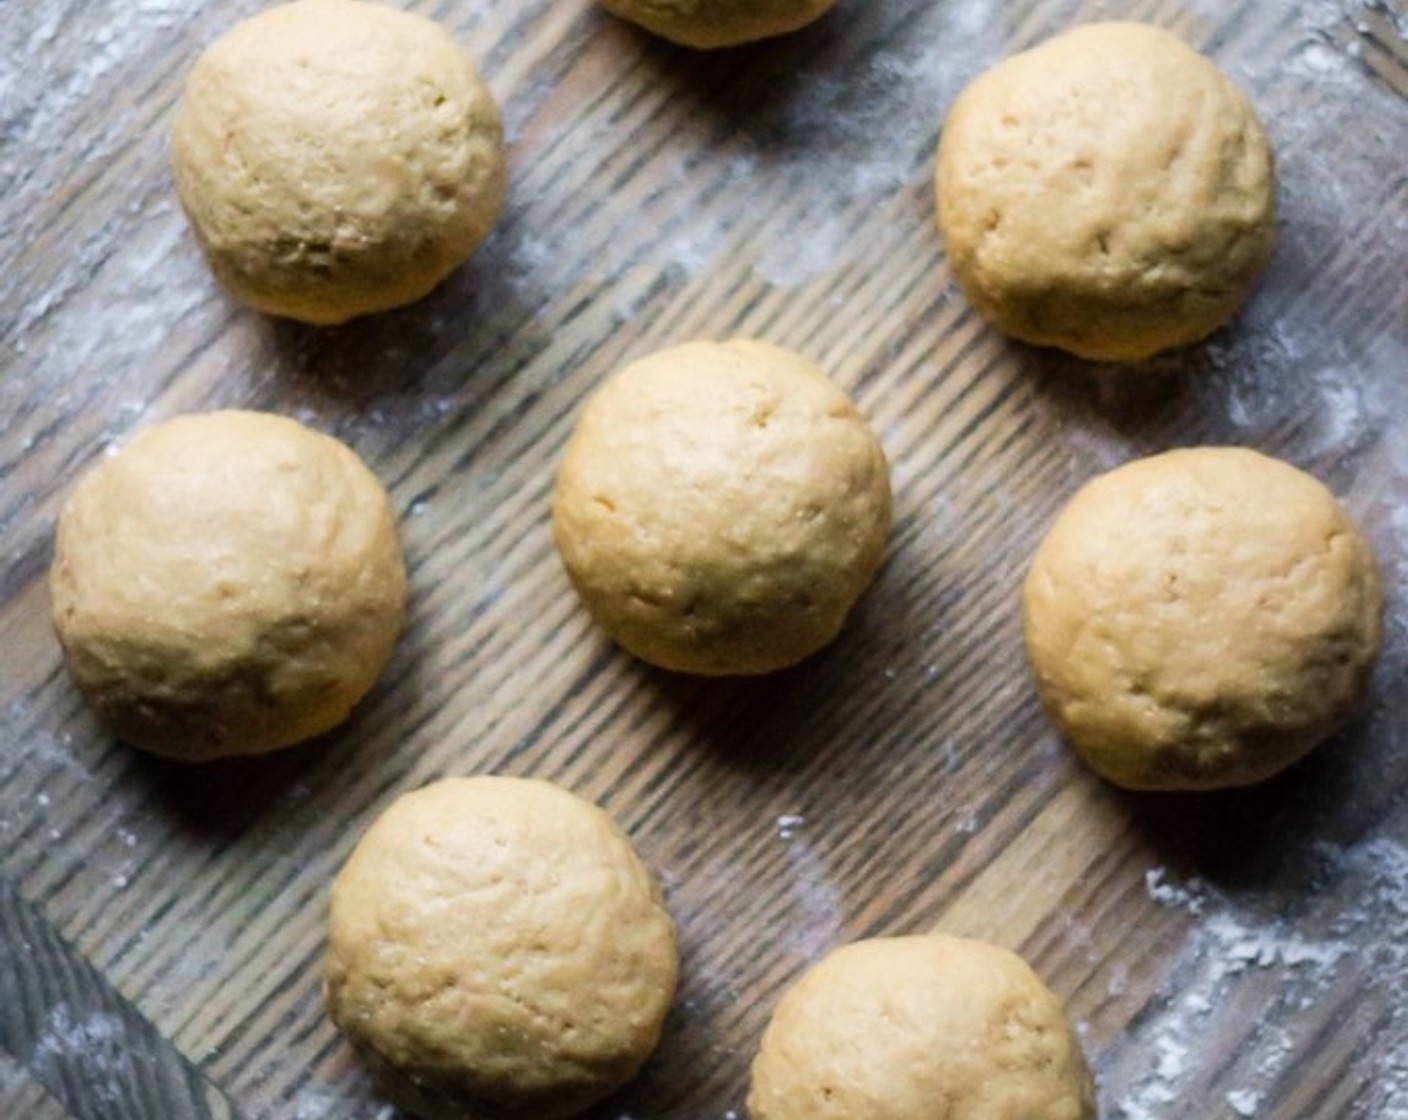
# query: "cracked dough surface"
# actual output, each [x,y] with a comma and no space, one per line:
[1109,192]
[720,507]
[336,158]
[229,583]
[497,948]
[920,1028]
[707,24]
[1201,618]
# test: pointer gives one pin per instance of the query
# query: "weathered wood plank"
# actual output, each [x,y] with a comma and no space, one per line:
[1244,953]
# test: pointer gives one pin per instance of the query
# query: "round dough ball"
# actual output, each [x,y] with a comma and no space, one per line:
[920,1028]
[707,24]
[498,949]
[230,583]
[1201,619]
[720,507]
[1109,193]
[336,158]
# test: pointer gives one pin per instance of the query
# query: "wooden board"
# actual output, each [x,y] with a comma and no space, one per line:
[161,927]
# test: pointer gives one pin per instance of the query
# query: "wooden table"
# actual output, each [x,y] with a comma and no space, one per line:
[161,927]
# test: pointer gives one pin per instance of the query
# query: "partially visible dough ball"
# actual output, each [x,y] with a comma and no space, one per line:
[920,1028]
[707,24]
[1201,619]
[720,507]
[230,583]
[497,949]
[1109,192]
[336,158]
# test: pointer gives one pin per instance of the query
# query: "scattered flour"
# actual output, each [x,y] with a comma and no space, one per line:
[1234,954]
[1382,865]
[1250,944]
[315,1104]
[814,924]
[96,1042]
[1166,893]
[859,142]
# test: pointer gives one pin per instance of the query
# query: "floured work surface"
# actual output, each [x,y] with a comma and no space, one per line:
[161,928]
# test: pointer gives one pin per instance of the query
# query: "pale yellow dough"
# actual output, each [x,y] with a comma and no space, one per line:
[497,949]
[1200,619]
[1109,192]
[920,1028]
[336,158]
[720,507]
[708,24]
[230,583]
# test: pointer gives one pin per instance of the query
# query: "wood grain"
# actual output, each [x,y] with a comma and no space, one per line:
[1226,956]
[22,1096]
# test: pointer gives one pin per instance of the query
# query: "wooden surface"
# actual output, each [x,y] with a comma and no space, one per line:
[161,927]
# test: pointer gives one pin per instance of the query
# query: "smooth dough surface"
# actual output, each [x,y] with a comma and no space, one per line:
[497,949]
[920,1028]
[336,158]
[720,507]
[229,583]
[1201,618]
[1109,192]
[707,24]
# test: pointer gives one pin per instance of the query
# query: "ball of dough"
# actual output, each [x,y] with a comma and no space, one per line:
[1201,619]
[230,583]
[920,1028]
[720,507]
[707,24]
[336,158]
[1109,193]
[498,949]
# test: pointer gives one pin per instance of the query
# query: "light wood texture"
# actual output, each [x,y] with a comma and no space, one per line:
[161,927]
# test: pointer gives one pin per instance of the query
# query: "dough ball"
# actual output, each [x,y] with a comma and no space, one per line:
[230,583]
[920,1028]
[498,949]
[720,507]
[1201,619]
[707,24]
[336,158]
[1109,193]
